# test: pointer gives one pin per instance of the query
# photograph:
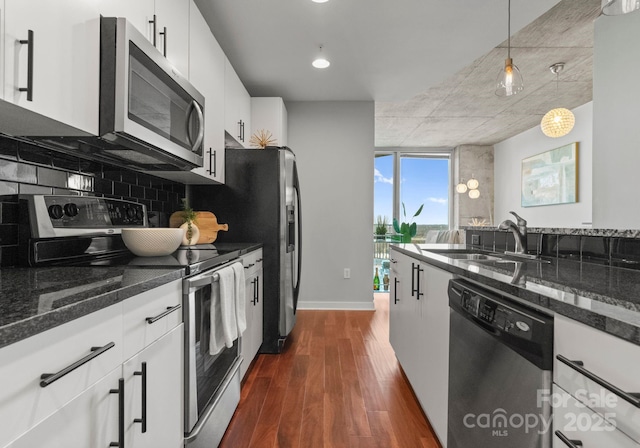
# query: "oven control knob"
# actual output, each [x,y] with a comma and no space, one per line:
[139,214]
[55,211]
[70,209]
[131,213]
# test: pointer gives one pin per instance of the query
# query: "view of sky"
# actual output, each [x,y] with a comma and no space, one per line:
[423,181]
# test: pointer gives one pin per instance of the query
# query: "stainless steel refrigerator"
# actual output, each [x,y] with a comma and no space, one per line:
[261,203]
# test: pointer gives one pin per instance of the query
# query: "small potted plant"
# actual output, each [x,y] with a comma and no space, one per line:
[192,233]
[381,227]
[406,229]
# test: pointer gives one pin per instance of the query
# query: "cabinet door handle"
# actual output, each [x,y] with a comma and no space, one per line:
[567,441]
[257,289]
[50,378]
[240,130]
[254,283]
[170,309]
[631,397]
[413,279]
[249,265]
[163,33]
[395,290]
[143,420]
[29,42]
[154,22]
[418,291]
[120,392]
[213,161]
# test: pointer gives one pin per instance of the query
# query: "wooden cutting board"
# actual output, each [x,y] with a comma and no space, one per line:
[207,224]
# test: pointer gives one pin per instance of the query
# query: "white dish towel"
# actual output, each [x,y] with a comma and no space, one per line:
[216,334]
[228,316]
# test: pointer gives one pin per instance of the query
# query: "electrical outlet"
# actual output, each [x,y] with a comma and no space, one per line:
[475,239]
[347,273]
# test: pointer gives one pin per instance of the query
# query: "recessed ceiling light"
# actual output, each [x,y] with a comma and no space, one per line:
[320,61]
[319,1]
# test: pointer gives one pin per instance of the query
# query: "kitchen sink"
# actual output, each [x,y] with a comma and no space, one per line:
[470,256]
[480,256]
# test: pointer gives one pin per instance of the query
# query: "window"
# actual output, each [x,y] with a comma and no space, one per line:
[425,180]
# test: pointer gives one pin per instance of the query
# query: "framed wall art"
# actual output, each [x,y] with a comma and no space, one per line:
[551,177]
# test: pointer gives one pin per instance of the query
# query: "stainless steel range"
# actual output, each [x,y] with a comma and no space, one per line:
[85,231]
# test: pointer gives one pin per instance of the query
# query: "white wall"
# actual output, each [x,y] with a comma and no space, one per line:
[333,142]
[508,161]
[616,129]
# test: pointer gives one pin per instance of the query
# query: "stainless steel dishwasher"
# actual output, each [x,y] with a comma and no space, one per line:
[500,361]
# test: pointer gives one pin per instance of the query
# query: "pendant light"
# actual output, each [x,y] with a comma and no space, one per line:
[509,80]
[617,7]
[557,122]
[461,187]
[320,61]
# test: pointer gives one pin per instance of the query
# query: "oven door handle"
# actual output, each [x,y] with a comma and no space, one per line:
[199,282]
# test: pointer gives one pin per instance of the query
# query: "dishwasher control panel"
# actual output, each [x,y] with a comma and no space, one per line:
[497,315]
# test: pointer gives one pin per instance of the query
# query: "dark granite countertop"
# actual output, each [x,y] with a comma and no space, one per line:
[35,299]
[603,297]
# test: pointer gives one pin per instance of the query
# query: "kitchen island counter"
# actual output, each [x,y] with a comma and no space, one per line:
[603,297]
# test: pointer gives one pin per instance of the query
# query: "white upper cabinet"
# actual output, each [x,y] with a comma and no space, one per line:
[172,26]
[237,108]
[55,75]
[163,22]
[206,73]
[270,114]
[139,13]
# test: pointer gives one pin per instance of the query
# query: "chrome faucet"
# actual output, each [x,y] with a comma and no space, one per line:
[519,232]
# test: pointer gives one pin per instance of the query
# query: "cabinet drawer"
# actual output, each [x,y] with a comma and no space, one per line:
[150,315]
[23,401]
[613,361]
[579,423]
[252,262]
[89,420]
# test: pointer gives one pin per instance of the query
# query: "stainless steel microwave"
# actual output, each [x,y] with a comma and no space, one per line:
[149,112]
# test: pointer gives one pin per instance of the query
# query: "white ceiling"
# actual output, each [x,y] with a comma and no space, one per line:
[429,65]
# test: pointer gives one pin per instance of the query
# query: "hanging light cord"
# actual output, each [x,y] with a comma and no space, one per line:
[509,30]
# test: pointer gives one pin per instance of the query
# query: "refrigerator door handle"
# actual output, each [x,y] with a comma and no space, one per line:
[296,188]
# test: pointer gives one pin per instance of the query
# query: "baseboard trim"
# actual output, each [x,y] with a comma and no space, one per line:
[347,306]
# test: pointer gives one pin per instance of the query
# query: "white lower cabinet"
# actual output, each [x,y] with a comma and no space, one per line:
[153,394]
[89,420]
[574,423]
[252,337]
[419,333]
[24,400]
[600,372]
[127,356]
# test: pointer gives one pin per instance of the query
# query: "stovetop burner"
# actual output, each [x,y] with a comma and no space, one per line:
[193,258]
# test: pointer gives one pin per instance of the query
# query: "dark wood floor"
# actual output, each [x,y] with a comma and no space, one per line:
[337,384]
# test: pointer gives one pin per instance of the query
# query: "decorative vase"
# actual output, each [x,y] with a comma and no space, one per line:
[190,240]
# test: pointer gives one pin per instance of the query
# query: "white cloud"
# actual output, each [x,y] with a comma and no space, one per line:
[378,177]
[438,200]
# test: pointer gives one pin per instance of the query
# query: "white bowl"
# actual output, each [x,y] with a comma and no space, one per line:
[152,241]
